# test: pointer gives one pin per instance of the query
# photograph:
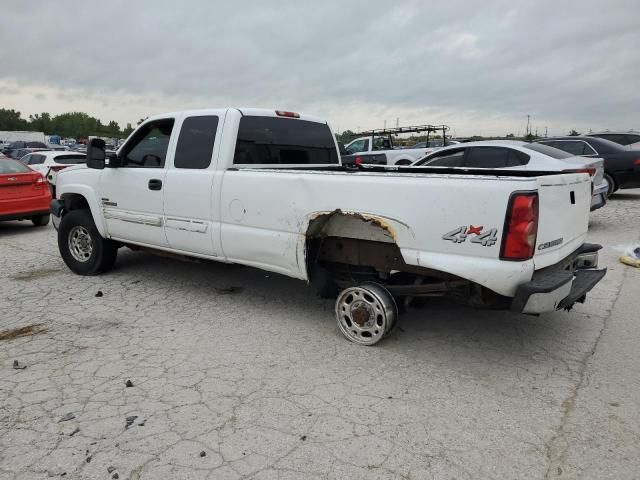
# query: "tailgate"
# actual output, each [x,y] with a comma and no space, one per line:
[564,205]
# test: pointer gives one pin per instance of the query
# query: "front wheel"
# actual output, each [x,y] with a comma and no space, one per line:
[82,247]
[612,184]
[403,163]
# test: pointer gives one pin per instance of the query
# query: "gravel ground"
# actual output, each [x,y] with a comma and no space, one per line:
[235,373]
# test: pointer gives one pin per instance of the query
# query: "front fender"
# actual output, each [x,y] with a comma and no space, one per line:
[91,196]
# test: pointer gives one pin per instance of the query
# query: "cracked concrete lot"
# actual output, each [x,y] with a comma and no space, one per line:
[236,373]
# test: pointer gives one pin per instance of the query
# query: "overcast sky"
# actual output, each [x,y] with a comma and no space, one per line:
[480,67]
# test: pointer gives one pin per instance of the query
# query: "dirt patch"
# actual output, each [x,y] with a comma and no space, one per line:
[34,274]
[22,331]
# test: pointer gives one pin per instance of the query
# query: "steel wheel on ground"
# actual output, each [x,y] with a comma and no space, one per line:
[366,313]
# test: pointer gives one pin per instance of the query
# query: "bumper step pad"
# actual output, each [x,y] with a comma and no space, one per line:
[585,280]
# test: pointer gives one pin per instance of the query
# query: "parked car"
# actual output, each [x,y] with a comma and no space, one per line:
[518,155]
[377,146]
[266,189]
[621,166]
[52,161]
[24,194]
[631,140]
[21,152]
[9,148]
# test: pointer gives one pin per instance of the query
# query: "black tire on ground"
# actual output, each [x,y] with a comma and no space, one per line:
[82,247]
[41,220]
[612,184]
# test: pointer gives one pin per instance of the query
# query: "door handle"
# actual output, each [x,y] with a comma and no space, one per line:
[155,184]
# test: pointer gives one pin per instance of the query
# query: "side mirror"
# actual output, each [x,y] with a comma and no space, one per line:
[343,151]
[96,154]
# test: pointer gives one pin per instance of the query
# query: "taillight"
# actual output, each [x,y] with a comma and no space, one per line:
[637,162]
[590,171]
[282,113]
[358,160]
[521,227]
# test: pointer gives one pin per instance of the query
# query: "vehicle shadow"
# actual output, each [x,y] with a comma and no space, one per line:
[624,195]
[440,329]
[17,227]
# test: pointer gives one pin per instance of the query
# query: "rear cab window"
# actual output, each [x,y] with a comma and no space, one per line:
[270,141]
[8,166]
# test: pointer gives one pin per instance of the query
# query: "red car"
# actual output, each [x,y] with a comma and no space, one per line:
[24,193]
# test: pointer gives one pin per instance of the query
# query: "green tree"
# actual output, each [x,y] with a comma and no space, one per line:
[11,120]
[573,133]
[127,131]
[41,123]
[346,136]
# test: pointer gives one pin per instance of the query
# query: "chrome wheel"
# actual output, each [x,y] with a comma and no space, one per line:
[80,243]
[365,313]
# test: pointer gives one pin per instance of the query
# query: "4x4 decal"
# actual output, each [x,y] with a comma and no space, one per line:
[460,234]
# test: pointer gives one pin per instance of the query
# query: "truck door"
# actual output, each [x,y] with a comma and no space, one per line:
[132,195]
[189,196]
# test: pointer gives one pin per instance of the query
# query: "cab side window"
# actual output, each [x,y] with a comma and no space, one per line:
[148,148]
[195,143]
[495,157]
[35,159]
[573,147]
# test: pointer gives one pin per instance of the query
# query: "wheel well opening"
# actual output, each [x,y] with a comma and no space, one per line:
[74,201]
[344,248]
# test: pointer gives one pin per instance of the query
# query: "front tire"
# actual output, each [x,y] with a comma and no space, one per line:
[82,247]
[41,220]
[612,184]
[403,163]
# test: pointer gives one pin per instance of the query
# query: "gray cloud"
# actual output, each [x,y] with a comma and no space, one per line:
[479,66]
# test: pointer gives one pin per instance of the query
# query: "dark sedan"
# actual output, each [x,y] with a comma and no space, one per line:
[9,148]
[621,166]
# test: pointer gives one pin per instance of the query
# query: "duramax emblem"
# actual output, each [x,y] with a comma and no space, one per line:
[550,244]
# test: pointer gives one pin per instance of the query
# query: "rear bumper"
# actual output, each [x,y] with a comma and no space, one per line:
[23,215]
[17,208]
[561,286]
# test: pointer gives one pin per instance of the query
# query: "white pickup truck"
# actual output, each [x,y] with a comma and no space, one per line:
[266,189]
[378,150]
